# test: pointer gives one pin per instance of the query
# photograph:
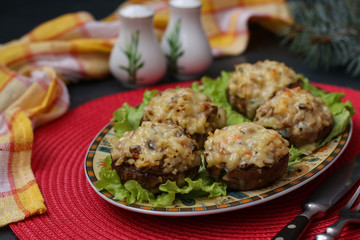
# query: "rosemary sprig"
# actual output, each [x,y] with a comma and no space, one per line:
[175,45]
[133,56]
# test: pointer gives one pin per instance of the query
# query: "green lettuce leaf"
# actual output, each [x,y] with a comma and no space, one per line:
[137,193]
[216,90]
[132,191]
[110,181]
[341,122]
[295,155]
[128,118]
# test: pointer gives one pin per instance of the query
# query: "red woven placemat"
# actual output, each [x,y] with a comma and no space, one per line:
[75,211]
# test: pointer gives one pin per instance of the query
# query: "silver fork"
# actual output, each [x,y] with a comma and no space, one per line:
[346,216]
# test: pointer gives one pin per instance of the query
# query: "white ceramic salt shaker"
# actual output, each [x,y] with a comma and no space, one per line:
[136,59]
[184,43]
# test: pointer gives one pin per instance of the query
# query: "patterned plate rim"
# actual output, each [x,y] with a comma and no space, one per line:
[217,208]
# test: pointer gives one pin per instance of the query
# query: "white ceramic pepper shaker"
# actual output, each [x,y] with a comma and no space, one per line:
[185,43]
[136,59]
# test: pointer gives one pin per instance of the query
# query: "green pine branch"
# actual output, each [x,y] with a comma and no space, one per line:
[326,33]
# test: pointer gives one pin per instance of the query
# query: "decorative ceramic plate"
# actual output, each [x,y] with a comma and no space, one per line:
[297,175]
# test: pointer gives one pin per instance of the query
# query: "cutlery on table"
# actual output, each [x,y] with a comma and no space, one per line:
[346,216]
[322,198]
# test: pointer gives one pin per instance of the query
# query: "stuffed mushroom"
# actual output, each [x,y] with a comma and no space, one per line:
[154,153]
[297,115]
[246,156]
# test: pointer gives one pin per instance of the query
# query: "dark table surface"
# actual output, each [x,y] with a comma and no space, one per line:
[19,17]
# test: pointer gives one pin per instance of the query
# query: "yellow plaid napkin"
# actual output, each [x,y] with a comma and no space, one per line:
[74,47]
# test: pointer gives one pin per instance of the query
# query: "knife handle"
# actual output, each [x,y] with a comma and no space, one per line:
[294,229]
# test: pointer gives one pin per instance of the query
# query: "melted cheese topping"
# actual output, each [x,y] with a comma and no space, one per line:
[242,145]
[256,83]
[187,108]
[163,145]
[296,111]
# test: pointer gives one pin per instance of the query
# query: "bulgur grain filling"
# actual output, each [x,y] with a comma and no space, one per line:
[187,108]
[239,146]
[162,145]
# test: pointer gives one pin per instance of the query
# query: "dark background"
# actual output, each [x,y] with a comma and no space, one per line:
[19,17]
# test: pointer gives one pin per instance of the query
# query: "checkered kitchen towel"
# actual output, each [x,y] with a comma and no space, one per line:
[73,47]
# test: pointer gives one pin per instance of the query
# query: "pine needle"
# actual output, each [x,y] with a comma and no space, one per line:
[326,33]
